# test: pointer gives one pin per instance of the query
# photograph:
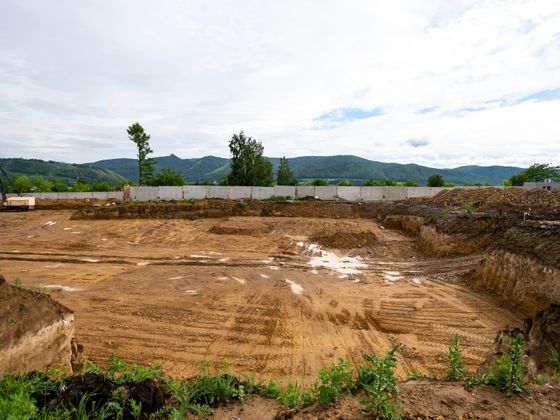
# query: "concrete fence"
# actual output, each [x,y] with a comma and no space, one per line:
[197,192]
[335,193]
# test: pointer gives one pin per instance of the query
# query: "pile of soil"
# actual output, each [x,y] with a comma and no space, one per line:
[345,240]
[236,227]
[497,199]
[215,208]
[24,311]
[100,390]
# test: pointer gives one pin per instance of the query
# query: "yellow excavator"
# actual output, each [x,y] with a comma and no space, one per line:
[14,203]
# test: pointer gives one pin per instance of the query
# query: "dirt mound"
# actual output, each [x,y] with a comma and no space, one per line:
[35,330]
[237,227]
[345,240]
[507,199]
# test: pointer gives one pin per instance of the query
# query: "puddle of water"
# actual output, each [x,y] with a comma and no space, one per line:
[175,278]
[264,276]
[49,223]
[296,287]
[90,260]
[327,259]
[61,287]
[392,276]
[240,280]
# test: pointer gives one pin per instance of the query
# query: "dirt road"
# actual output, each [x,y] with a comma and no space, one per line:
[257,291]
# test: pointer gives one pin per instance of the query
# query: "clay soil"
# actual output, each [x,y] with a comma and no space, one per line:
[255,290]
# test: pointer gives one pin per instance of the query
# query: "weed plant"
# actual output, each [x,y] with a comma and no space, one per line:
[455,368]
[509,372]
[377,378]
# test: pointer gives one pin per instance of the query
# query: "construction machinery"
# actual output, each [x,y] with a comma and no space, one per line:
[13,203]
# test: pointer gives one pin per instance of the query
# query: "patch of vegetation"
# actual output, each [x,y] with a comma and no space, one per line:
[345,183]
[415,374]
[334,381]
[469,208]
[455,367]
[554,356]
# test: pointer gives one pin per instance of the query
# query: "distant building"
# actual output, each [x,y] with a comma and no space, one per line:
[547,184]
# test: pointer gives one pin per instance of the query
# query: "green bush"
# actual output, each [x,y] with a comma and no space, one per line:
[435,180]
[319,183]
[345,183]
[333,382]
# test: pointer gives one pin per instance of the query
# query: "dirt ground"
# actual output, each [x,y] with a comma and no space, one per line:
[254,290]
[426,399]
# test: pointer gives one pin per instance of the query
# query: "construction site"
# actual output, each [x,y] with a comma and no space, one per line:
[282,289]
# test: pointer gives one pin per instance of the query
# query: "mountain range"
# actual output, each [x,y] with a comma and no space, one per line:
[333,168]
[211,169]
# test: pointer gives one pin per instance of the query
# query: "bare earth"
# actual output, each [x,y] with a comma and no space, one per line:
[254,290]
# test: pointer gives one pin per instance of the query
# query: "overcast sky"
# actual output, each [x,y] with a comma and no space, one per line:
[436,82]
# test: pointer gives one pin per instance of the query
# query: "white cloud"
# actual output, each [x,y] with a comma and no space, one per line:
[74,75]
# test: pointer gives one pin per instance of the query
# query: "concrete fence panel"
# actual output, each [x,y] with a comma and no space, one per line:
[394,193]
[371,193]
[170,193]
[195,192]
[116,195]
[75,195]
[238,193]
[215,191]
[262,193]
[349,193]
[144,193]
[303,191]
[100,195]
[285,190]
[327,192]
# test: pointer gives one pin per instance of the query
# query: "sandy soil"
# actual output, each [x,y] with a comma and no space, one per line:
[255,290]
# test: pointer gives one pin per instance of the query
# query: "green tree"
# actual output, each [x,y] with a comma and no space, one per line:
[59,186]
[435,180]
[168,177]
[248,165]
[534,173]
[285,175]
[137,134]
[22,183]
[40,184]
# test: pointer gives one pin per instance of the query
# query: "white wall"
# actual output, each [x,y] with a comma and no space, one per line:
[357,194]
